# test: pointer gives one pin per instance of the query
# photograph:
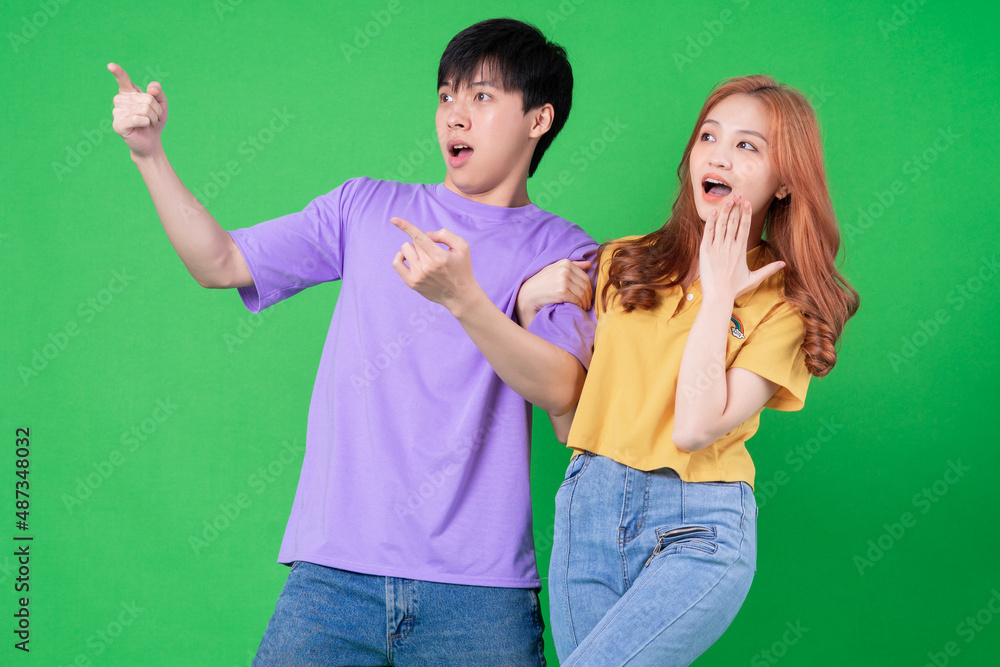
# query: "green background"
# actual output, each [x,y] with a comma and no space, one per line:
[907,96]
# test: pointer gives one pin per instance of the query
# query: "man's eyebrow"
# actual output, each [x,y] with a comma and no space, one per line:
[750,132]
[472,84]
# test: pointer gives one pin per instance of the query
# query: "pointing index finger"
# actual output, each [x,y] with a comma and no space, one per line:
[408,228]
[420,239]
[125,84]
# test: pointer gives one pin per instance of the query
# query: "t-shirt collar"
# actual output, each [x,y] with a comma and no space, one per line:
[475,209]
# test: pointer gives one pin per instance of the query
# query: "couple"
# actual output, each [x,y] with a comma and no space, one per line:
[410,537]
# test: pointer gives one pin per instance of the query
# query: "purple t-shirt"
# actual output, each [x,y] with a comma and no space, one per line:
[417,454]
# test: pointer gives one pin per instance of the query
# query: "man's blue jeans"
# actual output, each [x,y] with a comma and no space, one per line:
[327,616]
[646,569]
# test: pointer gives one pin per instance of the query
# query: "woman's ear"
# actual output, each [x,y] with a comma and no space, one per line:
[782,192]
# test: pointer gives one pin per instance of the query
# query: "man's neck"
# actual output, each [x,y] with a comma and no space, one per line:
[504,196]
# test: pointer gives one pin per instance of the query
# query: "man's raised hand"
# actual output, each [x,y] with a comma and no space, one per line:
[139,116]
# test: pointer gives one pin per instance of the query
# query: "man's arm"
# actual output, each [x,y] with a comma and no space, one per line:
[542,373]
[207,250]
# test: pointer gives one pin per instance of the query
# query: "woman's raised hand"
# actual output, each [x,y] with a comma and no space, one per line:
[139,116]
[722,257]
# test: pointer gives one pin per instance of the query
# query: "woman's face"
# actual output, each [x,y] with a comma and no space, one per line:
[731,154]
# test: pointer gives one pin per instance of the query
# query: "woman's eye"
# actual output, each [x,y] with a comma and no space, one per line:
[747,144]
[705,136]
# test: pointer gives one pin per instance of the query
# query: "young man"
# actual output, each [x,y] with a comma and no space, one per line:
[410,535]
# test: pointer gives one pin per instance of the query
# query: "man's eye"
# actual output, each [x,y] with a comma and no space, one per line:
[445,97]
[482,97]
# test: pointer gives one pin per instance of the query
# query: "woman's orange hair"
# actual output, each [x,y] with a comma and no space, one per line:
[800,229]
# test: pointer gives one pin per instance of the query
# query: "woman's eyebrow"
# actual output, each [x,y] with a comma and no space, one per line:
[750,132]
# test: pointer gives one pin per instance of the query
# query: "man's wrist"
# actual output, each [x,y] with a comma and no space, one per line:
[466,307]
[155,156]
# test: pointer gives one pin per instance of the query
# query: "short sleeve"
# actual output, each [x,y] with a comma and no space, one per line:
[569,327]
[773,350]
[296,251]
[566,325]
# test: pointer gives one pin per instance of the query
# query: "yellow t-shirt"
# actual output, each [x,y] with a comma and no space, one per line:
[626,411]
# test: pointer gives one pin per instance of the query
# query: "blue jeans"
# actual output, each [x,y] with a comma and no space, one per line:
[646,569]
[327,616]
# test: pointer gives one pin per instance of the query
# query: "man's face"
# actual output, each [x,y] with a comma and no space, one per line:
[486,140]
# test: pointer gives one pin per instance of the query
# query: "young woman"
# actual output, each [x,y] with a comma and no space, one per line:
[730,307]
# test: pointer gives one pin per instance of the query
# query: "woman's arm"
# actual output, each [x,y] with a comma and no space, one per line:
[564,281]
[711,401]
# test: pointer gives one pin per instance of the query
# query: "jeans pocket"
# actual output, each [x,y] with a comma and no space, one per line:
[702,538]
[576,466]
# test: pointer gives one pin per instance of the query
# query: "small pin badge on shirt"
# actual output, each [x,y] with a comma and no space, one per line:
[737,328]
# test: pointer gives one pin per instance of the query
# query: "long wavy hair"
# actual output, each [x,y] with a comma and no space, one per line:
[800,229]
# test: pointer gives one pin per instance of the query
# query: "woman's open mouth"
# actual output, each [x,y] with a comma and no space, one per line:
[716,187]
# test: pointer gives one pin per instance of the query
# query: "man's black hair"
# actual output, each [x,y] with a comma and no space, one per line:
[523,60]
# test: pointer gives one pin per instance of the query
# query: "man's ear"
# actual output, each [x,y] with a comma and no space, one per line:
[541,120]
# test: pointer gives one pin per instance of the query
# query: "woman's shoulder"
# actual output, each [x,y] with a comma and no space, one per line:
[624,240]
[608,247]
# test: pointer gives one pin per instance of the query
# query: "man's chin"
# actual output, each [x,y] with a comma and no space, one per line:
[464,186]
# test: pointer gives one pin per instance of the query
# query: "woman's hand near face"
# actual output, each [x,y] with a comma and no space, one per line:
[722,256]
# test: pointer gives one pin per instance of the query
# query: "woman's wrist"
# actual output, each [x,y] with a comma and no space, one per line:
[718,300]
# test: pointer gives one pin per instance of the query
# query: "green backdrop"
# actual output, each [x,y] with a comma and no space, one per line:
[158,410]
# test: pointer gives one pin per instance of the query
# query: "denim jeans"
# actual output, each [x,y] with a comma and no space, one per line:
[646,569]
[327,616]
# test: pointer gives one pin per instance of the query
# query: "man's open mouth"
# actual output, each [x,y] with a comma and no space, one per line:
[461,150]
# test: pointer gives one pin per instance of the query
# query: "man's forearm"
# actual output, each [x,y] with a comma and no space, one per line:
[206,249]
[542,373]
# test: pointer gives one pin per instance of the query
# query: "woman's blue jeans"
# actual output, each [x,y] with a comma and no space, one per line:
[646,569]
